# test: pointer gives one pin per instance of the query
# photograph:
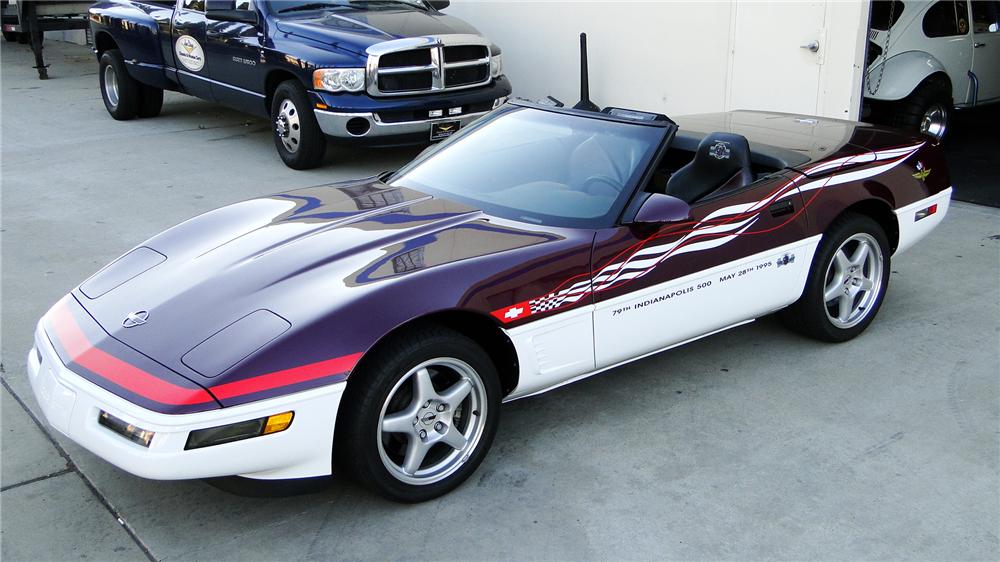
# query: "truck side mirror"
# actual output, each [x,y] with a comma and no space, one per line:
[225,10]
[439,4]
[660,208]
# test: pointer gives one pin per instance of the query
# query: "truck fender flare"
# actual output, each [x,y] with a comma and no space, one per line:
[903,73]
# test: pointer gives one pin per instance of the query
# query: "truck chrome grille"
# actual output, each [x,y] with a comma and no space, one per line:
[434,63]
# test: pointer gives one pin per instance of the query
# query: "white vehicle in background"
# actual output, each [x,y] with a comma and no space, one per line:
[927,58]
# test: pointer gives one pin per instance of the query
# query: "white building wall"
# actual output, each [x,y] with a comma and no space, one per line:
[672,57]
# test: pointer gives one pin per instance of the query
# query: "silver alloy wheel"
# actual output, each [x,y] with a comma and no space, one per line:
[435,431]
[287,125]
[853,281]
[111,85]
[935,121]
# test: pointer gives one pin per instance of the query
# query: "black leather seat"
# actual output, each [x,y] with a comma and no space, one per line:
[721,163]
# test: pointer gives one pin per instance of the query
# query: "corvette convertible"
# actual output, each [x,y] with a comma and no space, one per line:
[374,327]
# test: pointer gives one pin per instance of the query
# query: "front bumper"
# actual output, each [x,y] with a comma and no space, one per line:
[71,405]
[401,119]
[335,124]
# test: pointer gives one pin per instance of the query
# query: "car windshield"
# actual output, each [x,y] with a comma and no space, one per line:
[288,6]
[539,166]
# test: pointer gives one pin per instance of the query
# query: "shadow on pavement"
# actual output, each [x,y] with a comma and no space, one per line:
[973,151]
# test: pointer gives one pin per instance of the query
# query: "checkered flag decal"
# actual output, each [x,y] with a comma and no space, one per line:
[544,304]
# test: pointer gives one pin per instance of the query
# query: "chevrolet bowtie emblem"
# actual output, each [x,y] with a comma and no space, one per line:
[137,318]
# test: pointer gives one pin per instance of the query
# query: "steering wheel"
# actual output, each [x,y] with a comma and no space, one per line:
[593,181]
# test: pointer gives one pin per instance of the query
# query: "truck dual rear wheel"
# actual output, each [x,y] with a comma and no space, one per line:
[124,97]
[297,136]
[150,101]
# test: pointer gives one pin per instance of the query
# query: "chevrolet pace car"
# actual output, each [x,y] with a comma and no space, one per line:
[375,326]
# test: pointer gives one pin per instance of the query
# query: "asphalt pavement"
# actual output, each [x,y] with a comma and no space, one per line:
[752,444]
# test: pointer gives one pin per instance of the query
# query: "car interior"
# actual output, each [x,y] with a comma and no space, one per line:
[697,166]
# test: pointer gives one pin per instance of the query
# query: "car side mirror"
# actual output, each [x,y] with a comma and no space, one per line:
[439,4]
[225,10]
[660,208]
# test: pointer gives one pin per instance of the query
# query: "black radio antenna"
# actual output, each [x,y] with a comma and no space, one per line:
[584,103]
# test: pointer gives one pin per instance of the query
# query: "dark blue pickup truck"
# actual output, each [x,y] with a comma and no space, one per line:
[381,72]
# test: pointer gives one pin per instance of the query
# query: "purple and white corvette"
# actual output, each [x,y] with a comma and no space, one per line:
[375,326]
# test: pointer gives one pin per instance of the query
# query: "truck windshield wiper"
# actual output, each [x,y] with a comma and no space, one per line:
[310,6]
[419,5]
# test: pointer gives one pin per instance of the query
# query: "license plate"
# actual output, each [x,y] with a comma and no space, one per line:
[444,129]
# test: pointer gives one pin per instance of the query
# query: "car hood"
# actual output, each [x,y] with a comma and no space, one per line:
[355,30]
[290,258]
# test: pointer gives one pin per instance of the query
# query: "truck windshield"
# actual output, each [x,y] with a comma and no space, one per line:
[539,166]
[287,6]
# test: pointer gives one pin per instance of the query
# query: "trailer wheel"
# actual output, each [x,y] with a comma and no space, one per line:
[150,101]
[119,90]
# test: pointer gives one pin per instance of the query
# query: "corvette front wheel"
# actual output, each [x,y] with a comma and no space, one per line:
[847,281]
[419,418]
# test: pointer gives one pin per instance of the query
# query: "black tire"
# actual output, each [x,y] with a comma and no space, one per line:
[11,36]
[360,443]
[811,314]
[908,113]
[150,101]
[122,98]
[307,143]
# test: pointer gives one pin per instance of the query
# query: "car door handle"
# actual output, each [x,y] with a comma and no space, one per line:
[781,208]
[977,45]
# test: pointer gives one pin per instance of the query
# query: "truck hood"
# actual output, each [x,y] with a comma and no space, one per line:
[355,30]
[292,258]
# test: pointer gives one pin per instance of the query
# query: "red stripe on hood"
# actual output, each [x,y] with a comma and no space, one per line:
[83,352]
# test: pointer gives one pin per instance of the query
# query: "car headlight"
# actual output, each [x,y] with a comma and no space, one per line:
[339,79]
[238,431]
[496,66]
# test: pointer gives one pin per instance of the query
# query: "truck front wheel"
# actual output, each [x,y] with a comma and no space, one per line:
[119,90]
[297,136]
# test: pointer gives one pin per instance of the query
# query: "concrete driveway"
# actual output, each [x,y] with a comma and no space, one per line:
[752,444]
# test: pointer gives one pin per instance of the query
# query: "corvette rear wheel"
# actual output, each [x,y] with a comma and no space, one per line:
[847,281]
[419,418]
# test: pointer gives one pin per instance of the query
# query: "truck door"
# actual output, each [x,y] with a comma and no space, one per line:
[188,35]
[986,55]
[234,49]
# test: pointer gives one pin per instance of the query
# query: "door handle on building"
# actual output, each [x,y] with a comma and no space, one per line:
[812,46]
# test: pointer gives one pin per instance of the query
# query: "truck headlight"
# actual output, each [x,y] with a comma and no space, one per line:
[339,79]
[496,66]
